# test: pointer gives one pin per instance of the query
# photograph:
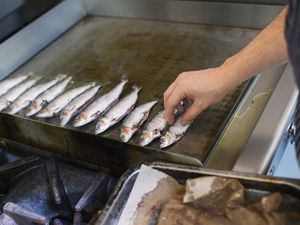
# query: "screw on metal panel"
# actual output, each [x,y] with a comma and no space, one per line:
[292,132]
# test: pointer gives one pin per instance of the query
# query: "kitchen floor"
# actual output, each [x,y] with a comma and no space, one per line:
[288,166]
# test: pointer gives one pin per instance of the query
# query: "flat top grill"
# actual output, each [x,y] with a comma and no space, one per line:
[152,54]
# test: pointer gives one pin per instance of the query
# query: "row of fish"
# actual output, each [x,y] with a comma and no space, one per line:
[49,99]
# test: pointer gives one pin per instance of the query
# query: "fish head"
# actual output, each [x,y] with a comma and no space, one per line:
[167,139]
[4,104]
[33,109]
[148,136]
[102,125]
[81,119]
[127,132]
[16,106]
[65,116]
[45,113]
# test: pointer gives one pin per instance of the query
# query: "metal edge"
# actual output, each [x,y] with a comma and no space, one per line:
[271,127]
[30,40]
[207,12]
[244,117]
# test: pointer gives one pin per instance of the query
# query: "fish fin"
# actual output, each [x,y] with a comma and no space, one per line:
[44,102]
[137,87]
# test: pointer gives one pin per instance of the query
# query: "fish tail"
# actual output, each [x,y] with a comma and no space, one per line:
[124,78]
[105,83]
[137,87]
[61,76]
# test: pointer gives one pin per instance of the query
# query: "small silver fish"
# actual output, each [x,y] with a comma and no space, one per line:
[100,105]
[117,112]
[61,101]
[72,108]
[28,96]
[135,119]
[9,83]
[15,92]
[154,128]
[174,133]
[47,97]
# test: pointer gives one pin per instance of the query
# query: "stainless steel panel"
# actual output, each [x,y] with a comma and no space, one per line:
[271,128]
[30,40]
[206,12]
[238,129]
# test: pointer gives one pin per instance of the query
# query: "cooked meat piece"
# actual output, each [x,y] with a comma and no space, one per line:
[176,213]
[149,208]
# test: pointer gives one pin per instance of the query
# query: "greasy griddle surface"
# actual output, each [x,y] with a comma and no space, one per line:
[152,54]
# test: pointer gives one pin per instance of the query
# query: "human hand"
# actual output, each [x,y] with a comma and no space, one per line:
[203,88]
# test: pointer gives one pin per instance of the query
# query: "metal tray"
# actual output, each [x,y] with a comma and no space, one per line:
[255,187]
[152,53]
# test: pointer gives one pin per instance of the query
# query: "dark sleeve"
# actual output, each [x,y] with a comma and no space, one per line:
[292,33]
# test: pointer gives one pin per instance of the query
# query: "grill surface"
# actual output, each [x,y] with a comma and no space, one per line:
[152,53]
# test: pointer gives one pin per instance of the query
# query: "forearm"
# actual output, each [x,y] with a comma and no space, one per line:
[267,49]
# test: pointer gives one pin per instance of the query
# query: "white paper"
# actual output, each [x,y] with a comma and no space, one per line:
[146,181]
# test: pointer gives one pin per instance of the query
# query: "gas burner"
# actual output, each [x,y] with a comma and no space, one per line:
[46,191]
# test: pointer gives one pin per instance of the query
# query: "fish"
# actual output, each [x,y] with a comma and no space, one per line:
[154,128]
[9,83]
[100,105]
[117,112]
[174,133]
[47,97]
[28,96]
[15,92]
[73,107]
[61,101]
[135,119]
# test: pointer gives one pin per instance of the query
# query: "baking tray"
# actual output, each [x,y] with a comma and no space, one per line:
[256,186]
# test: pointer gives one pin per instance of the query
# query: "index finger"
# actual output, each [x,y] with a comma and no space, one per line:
[171,103]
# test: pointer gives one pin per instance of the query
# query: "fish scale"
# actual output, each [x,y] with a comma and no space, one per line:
[72,108]
[154,128]
[25,99]
[135,119]
[61,101]
[117,112]
[15,92]
[47,97]
[100,105]
[174,133]
[9,83]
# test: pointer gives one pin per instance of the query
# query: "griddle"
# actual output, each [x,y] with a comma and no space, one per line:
[152,54]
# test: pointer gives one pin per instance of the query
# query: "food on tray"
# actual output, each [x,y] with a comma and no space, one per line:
[118,111]
[13,93]
[208,200]
[100,105]
[28,96]
[174,133]
[61,101]
[135,119]
[47,96]
[9,83]
[154,128]
[73,107]
[149,208]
